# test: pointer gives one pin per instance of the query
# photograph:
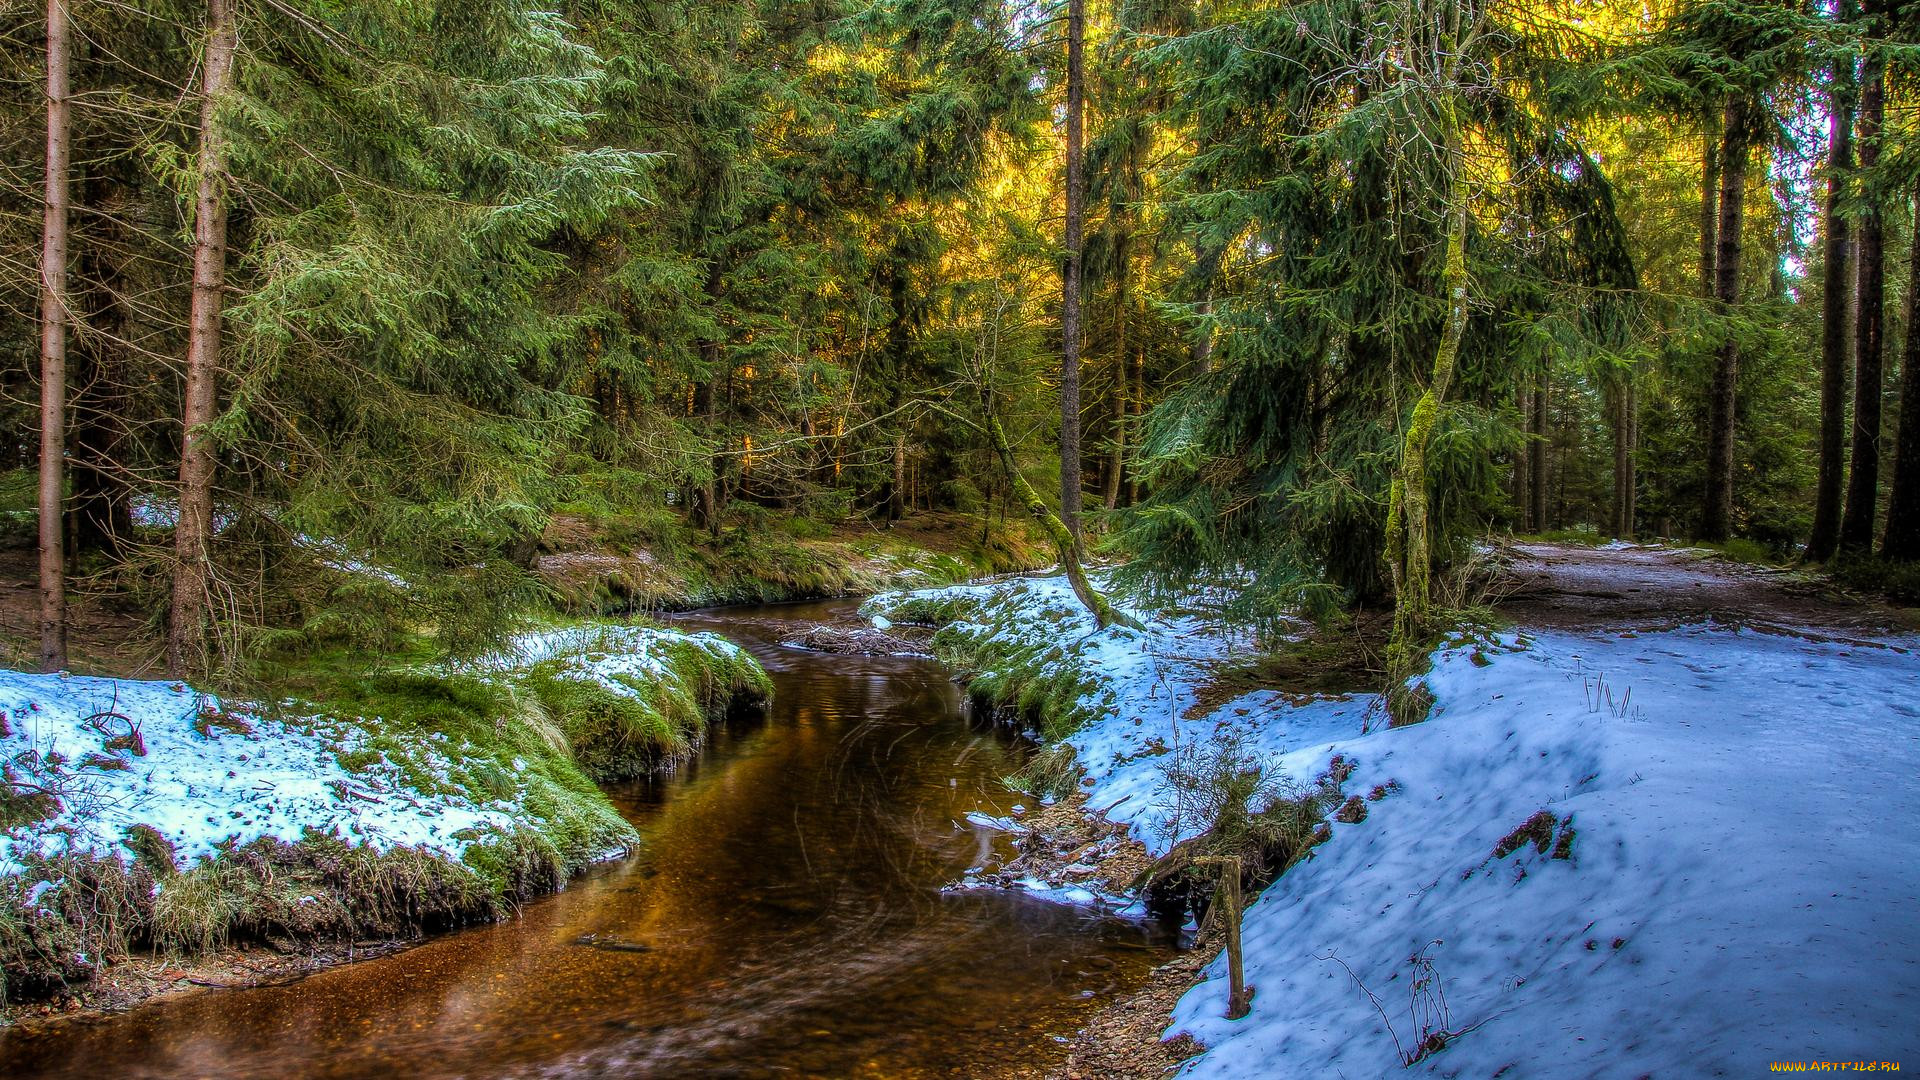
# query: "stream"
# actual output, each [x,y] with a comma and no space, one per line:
[784,916]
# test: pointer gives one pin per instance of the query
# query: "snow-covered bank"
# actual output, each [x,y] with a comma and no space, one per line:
[119,753]
[144,812]
[1735,815]
[1743,886]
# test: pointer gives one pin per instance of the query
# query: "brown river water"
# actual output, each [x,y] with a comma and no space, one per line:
[784,917]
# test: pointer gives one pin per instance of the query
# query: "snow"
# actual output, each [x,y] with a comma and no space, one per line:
[1743,883]
[1144,685]
[202,785]
[608,653]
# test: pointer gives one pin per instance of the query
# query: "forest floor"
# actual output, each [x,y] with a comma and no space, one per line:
[105,635]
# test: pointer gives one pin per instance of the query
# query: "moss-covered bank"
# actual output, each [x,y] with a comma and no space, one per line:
[374,805]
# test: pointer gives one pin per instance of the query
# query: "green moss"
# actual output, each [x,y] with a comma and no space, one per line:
[642,725]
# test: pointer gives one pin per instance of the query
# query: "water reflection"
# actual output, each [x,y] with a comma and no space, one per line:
[783,918]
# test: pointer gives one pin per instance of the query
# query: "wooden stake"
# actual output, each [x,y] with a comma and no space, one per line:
[1239,996]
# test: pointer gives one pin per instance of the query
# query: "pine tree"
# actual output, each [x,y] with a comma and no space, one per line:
[54,307]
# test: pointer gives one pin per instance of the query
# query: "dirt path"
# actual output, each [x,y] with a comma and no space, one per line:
[1646,587]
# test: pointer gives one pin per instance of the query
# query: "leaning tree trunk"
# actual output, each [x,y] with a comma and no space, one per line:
[53,352]
[186,632]
[1863,484]
[1834,358]
[1902,537]
[1070,285]
[1103,612]
[1716,520]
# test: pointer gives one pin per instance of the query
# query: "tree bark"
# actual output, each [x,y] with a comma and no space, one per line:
[1521,497]
[186,633]
[1537,486]
[1835,356]
[1716,521]
[1709,204]
[1863,484]
[1901,540]
[1117,463]
[53,351]
[1070,286]
[1409,544]
[1623,478]
[1068,550]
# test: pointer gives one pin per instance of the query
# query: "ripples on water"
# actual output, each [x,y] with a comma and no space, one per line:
[784,917]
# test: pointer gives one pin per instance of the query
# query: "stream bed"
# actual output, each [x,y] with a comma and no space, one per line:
[784,917]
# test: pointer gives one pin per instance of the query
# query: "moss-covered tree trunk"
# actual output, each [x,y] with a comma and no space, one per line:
[1409,517]
[1103,612]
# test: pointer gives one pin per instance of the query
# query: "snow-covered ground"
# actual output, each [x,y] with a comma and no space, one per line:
[206,773]
[203,775]
[1741,884]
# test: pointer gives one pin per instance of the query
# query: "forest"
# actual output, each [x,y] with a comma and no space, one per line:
[292,285]
[348,346]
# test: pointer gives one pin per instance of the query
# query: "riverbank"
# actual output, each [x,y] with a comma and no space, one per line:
[146,821]
[1603,853]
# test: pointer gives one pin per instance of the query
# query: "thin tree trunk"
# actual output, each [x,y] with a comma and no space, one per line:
[1716,522]
[1136,410]
[1623,405]
[186,633]
[53,352]
[1064,544]
[1863,484]
[1203,340]
[1709,205]
[1537,485]
[1522,458]
[1116,465]
[1070,288]
[1902,537]
[1834,339]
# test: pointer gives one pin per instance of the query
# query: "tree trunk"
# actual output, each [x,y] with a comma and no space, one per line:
[1863,485]
[1709,204]
[1716,521]
[1623,480]
[1065,547]
[1902,538]
[1409,545]
[1136,410]
[1834,339]
[1521,498]
[1537,486]
[1070,286]
[53,352]
[707,498]
[186,632]
[1117,463]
